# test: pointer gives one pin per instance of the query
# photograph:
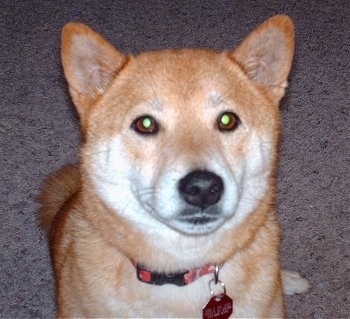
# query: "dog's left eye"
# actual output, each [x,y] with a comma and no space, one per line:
[145,124]
[228,121]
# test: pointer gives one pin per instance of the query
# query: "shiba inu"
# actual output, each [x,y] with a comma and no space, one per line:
[171,210]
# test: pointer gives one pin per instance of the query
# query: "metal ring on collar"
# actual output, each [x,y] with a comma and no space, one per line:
[219,282]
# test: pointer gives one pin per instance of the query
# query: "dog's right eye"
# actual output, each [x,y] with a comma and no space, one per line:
[145,124]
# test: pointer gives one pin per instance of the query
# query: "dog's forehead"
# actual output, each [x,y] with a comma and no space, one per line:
[182,75]
[190,66]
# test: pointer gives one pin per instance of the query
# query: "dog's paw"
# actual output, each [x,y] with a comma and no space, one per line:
[294,283]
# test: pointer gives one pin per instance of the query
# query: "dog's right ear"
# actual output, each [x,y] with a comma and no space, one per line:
[90,63]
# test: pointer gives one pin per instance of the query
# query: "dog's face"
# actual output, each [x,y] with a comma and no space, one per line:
[189,143]
[179,143]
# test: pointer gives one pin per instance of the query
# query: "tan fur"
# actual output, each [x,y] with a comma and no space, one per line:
[92,242]
[58,188]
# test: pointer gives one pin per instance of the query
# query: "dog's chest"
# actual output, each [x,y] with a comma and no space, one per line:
[164,301]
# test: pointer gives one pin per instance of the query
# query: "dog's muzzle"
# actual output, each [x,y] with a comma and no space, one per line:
[201,190]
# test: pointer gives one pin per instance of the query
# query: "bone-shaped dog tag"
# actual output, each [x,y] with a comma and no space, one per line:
[218,307]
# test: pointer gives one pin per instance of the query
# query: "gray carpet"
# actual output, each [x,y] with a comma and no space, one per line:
[39,130]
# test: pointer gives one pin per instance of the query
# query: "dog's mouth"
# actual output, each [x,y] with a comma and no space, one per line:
[197,215]
[198,222]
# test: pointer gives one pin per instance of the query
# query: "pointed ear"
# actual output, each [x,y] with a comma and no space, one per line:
[90,63]
[266,55]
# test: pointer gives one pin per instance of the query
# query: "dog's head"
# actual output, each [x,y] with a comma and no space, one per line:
[180,143]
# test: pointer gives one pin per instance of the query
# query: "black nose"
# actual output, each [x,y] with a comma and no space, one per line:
[201,188]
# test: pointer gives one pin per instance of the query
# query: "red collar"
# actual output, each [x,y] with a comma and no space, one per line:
[178,279]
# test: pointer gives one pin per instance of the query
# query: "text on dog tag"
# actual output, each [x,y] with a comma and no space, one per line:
[218,307]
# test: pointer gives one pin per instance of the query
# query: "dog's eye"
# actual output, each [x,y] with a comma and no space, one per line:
[228,121]
[145,124]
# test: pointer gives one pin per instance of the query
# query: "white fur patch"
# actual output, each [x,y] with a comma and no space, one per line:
[294,283]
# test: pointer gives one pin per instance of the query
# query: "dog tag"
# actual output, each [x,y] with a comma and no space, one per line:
[218,307]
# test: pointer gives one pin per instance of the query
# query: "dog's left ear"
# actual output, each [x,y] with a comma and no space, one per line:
[266,55]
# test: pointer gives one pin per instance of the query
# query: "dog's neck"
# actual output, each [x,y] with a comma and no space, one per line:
[179,279]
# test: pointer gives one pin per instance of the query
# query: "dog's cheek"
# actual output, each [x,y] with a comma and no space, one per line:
[106,164]
[261,155]
[144,159]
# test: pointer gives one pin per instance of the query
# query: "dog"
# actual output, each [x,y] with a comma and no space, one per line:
[171,209]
